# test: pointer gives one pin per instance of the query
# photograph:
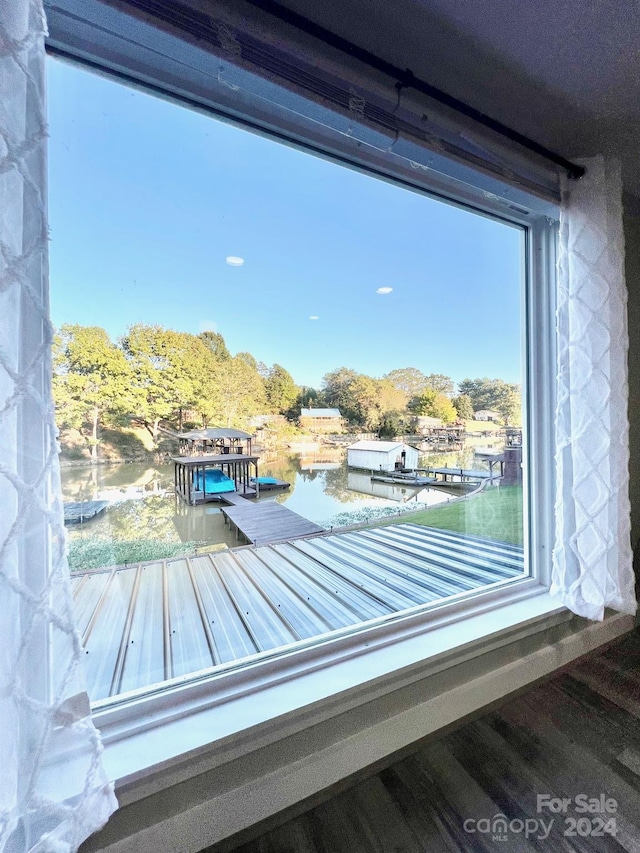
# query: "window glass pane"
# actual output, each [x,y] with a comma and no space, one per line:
[257,345]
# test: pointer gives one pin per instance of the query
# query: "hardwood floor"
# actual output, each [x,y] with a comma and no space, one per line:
[578,734]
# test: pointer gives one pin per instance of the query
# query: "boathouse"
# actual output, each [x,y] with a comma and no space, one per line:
[382,455]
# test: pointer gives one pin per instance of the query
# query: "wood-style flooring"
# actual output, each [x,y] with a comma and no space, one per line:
[577,734]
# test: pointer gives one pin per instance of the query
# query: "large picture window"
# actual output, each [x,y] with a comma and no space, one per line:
[291,395]
[328,442]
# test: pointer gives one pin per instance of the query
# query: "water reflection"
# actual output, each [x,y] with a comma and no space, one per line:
[143,510]
[115,483]
[323,459]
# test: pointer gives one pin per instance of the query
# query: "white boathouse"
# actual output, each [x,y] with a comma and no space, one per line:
[382,455]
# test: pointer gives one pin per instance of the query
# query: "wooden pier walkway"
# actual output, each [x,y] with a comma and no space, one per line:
[77,512]
[268,522]
[405,479]
[462,473]
[235,498]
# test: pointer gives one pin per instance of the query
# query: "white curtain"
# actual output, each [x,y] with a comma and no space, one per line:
[53,790]
[592,566]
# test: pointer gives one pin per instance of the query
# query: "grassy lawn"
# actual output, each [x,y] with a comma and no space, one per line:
[96,553]
[494,514]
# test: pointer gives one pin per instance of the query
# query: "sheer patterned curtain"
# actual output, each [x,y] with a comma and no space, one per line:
[592,559]
[53,790]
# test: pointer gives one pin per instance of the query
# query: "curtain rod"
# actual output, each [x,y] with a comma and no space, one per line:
[406,79]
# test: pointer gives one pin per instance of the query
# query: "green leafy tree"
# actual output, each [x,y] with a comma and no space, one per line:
[409,380]
[250,361]
[510,405]
[307,397]
[362,399]
[503,397]
[435,405]
[174,372]
[392,424]
[364,391]
[215,342]
[92,381]
[390,399]
[241,391]
[481,392]
[375,399]
[200,369]
[413,382]
[280,390]
[463,407]
[441,383]
[147,350]
[338,391]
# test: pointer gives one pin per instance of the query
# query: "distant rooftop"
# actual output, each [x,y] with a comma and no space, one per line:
[382,446]
[320,413]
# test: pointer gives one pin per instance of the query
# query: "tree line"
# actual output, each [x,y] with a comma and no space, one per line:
[155,376]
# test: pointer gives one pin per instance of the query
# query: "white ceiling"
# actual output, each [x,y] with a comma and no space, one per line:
[564,72]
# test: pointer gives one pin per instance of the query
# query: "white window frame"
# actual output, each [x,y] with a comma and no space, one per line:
[272,720]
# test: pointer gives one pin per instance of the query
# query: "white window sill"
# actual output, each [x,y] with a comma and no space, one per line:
[295,725]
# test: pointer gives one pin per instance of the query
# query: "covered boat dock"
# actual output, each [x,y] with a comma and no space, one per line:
[199,479]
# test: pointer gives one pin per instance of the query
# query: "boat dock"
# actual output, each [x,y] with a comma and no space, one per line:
[413,479]
[462,475]
[267,522]
[435,476]
[191,476]
[269,484]
[77,512]
[235,498]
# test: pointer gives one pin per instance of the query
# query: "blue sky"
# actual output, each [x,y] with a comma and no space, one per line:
[147,200]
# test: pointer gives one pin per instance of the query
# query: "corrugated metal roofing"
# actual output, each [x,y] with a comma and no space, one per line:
[214,432]
[143,624]
[372,444]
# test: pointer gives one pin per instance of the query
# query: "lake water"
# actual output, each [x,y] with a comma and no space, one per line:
[142,509]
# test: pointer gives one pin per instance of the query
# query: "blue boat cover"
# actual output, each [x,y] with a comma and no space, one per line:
[215,482]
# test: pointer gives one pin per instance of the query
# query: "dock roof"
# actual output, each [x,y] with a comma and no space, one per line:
[213,460]
[214,432]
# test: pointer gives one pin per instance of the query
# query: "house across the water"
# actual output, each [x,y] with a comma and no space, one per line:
[322,420]
[486,415]
[425,423]
[382,455]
